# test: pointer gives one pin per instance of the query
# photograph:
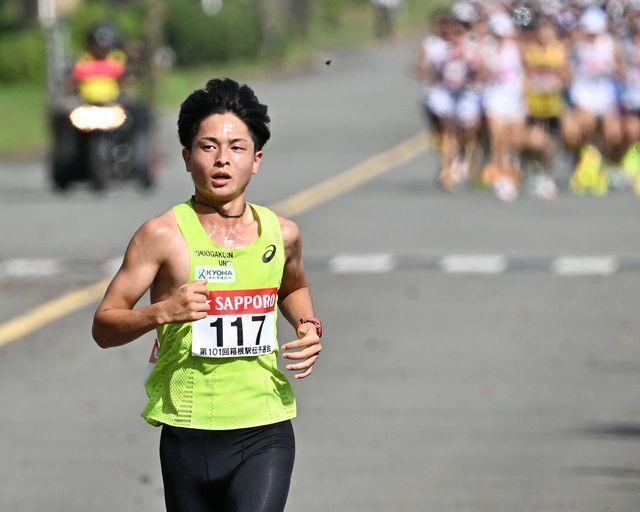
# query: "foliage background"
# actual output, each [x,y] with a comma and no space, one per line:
[245,38]
[240,31]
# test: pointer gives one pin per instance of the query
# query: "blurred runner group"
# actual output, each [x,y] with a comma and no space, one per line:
[519,94]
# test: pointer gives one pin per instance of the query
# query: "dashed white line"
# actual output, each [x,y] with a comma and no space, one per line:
[30,267]
[473,264]
[362,263]
[585,265]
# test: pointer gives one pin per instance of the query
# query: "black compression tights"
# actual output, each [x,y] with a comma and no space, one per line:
[244,470]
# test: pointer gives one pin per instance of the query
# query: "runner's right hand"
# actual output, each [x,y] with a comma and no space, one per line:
[188,303]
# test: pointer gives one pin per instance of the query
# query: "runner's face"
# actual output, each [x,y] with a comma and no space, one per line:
[445,30]
[457,32]
[222,157]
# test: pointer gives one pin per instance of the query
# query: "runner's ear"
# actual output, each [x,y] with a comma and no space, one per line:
[186,156]
[257,158]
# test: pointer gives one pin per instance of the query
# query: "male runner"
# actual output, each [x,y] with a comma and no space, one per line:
[218,268]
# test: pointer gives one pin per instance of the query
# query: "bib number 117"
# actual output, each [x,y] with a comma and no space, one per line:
[239,334]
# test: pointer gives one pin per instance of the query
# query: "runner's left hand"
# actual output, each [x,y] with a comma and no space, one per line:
[306,349]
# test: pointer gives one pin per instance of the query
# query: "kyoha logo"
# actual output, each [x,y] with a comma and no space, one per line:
[216,274]
[269,253]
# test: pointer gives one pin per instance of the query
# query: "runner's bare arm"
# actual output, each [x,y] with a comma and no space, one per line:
[421,66]
[116,322]
[295,303]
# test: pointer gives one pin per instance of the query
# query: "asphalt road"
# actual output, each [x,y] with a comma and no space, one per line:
[479,356]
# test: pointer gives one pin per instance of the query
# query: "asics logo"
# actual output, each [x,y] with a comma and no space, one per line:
[269,254]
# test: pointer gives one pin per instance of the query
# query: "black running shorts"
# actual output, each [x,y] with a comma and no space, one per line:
[244,470]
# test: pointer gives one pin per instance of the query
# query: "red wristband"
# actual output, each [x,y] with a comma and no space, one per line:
[311,320]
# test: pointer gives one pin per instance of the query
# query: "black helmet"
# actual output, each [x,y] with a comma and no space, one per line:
[104,37]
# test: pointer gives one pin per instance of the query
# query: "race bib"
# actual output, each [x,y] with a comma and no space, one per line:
[240,323]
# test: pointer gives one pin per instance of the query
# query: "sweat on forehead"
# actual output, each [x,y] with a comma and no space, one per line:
[223,127]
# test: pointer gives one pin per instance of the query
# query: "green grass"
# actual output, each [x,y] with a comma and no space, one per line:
[23,107]
[24,127]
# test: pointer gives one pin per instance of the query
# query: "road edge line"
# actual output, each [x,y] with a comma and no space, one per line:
[25,324]
[353,177]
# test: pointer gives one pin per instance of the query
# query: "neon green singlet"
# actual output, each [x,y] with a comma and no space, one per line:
[221,373]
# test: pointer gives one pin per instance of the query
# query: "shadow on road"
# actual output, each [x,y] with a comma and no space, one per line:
[619,430]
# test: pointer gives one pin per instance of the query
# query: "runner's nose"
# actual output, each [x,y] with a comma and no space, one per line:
[222,158]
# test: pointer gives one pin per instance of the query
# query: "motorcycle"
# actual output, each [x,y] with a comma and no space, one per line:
[101,144]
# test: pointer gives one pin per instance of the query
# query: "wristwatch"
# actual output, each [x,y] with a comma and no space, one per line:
[311,320]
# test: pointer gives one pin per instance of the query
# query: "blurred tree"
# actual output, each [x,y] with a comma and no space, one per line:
[18,13]
[21,42]
[271,15]
[299,14]
[234,33]
[30,11]
[155,22]
[384,17]
[332,11]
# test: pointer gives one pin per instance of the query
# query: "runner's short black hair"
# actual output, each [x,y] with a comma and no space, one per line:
[221,96]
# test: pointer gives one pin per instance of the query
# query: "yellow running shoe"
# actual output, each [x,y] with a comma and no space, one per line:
[600,186]
[588,175]
[631,162]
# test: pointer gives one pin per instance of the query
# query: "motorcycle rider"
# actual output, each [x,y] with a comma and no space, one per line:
[97,73]
[98,77]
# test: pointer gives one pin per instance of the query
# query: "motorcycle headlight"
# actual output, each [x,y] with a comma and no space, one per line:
[92,117]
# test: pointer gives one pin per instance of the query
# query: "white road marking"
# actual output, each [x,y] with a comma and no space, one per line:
[30,267]
[585,265]
[488,264]
[362,263]
[473,264]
